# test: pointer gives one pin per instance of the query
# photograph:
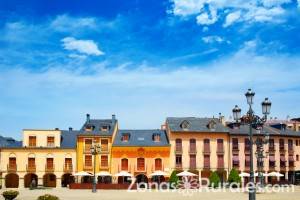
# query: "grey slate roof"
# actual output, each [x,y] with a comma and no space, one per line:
[141,138]
[244,130]
[97,124]
[69,139]
[195,124]
[8,142]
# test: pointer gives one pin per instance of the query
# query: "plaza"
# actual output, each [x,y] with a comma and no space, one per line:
[66,194]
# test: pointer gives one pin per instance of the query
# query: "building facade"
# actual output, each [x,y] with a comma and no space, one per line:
[50,158]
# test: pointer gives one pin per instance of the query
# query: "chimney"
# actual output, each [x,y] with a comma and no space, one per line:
[88,118]
[57,129]
[113,118]
[70,129]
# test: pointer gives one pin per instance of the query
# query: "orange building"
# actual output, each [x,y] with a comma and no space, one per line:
[140,152]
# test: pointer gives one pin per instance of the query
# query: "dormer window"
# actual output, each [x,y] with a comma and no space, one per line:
[156,137]
[104,128]
[125,137]
[185,125]
[89,127]
[212,125]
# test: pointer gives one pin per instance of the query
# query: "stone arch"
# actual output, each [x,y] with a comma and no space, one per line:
[12,180]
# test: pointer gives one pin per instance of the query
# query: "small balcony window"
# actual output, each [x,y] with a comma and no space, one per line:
[125,137]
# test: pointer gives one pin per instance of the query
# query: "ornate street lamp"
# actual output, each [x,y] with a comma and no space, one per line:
[95,150]
[253,121]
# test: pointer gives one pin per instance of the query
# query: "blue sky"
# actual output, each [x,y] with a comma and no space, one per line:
[144,60]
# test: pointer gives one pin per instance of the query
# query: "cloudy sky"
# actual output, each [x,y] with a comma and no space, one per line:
[144,60]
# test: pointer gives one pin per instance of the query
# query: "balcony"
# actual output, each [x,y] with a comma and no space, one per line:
[68,168]
[291,150]
[103,167]
[178,166]
[206,166]
[220,150]
[272,149]
[272,167]
[247,149]
[235,148]
[11,168]
[206,150]
[87,167]
[220,166]
[49,168]
[31,168]
[192,151]
[104,149]
[282,149]
[178,150]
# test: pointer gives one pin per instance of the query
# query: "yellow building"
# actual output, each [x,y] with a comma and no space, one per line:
[95,132]
[43,158]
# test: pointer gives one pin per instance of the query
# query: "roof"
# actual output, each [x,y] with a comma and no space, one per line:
[141,138]
[69,138]
[244,130]
[195,124]
[97,124]
[8,142]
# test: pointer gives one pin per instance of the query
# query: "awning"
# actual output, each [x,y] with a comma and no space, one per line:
[124,174]
[159,173]
[282,158]
[82,173]
[103,173]
[271,158]
[186,173]
[291,158]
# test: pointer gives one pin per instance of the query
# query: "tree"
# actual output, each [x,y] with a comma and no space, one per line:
[234,177]
[214,180]
[173,180]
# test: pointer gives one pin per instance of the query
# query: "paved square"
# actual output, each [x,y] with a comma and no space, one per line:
[66,194]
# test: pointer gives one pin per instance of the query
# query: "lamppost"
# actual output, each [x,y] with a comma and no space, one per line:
[260,155]
[253,121]
[95,150]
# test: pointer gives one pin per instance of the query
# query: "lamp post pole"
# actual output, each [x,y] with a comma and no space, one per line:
[253,121]
[95,150]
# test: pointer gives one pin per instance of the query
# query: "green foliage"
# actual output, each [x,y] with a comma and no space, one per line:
[47,197]
[10,194]
[173,179]
[214,180]
[234,177]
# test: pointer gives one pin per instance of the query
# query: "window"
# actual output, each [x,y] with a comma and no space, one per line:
[50,141]
[206,161]
[281,144]
[124,164]
[68,163]
[125,137]
[104,145]
[32,141]
[282,160]
[297,143]
[235,160]
[140,164]
[247,160]
[297,157]
[104,161]
[185,125]
[192,145]
[31,163]
[156,137]
[158,164]
[272,161]
[88,160]
[178,145]
[193,161]
[235,144]
[49,163]
[220,146]
[220,161]
[290,145]
[206,145]
[271,145]
[247,144]
[104,128]
[178,161]
[87,145]
[12,163]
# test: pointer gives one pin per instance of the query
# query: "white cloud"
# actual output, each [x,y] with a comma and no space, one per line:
[213,39]
[88,47]
[207,17]
[250,11]
[232,18]
[66,23]
[65,95]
